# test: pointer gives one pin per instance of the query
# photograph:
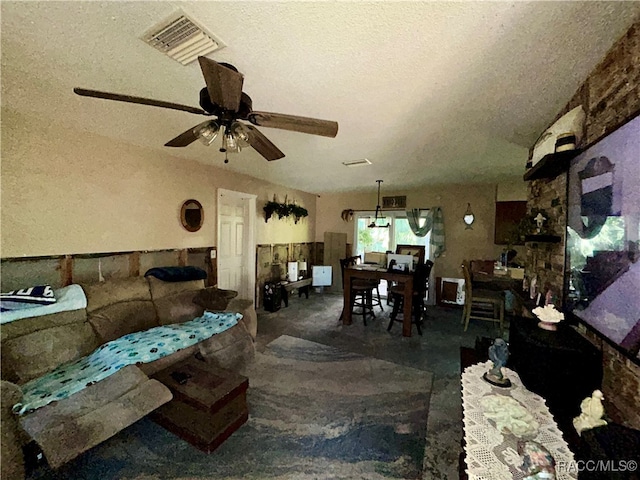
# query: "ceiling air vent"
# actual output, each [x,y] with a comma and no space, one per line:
[357,163]
[181,38]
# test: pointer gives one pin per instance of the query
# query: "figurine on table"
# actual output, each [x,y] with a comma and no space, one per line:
[591,414]
[498,354]
[537,464]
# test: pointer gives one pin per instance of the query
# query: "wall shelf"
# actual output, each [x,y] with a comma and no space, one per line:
[541,238]
[551,165]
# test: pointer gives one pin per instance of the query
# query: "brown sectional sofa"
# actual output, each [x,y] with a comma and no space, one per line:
[34,346]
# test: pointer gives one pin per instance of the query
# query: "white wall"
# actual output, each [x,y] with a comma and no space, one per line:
[461,244]
[511,191]
[70,192]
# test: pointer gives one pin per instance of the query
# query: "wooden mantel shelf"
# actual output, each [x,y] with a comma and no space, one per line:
[551,165]
[542,238]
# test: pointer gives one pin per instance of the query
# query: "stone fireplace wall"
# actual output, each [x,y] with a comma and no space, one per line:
[610,96]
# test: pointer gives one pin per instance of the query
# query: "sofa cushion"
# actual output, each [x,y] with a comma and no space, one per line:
[154,367]
[36,353]
[160,289]
[67,428]
[118,319]
[214,299]
[232,349]
[249,315]
[100,295]
[178,308]
[33,324]
[12,464]
[120,306]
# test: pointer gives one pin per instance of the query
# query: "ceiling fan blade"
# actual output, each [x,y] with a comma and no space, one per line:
[262,144]
[313,126]
[223,84]
[185,138]
[144,101]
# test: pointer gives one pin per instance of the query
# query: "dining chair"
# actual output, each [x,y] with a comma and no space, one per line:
[481,272]
[361,290]
[481,304]
[420,289]
[418,252]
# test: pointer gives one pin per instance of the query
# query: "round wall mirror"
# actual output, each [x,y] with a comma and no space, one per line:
[192,215]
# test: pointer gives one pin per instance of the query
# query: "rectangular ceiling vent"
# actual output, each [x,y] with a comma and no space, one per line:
[357,163]
[181,38]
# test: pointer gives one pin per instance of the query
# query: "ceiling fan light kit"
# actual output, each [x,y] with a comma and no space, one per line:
[223,98]
[208,132]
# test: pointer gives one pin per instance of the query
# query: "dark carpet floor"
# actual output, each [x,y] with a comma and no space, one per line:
[140,452]
[436,351]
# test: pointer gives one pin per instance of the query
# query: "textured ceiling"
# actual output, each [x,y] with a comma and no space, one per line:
[429,92]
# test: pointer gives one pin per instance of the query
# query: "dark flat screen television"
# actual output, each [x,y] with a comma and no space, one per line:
[602,284]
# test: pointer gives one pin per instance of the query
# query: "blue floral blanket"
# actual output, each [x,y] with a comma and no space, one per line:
[139,347]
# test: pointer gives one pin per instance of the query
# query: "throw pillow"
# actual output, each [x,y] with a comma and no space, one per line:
[177,274]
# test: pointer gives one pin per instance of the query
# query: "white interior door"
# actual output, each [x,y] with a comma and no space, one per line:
[236,258]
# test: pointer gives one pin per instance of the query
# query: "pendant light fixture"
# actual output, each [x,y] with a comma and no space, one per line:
[378,221]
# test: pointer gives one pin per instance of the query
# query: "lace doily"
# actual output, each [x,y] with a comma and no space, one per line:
[492,455]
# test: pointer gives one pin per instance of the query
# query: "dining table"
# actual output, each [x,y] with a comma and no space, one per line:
[369,272]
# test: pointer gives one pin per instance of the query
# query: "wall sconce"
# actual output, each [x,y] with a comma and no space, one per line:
[469,217]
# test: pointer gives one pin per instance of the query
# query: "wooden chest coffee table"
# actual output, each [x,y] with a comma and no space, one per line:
[206,408]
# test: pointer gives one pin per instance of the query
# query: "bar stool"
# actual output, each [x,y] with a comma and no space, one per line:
[361,291]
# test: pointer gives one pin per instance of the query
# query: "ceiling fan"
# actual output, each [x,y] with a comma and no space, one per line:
[223,98]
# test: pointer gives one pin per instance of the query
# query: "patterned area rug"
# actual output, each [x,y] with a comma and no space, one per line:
[316,412]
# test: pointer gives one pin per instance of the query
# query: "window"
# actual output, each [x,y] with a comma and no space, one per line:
[385,239]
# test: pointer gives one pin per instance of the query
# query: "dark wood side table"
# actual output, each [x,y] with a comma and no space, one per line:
[616,447]
[208,405]
[563,367]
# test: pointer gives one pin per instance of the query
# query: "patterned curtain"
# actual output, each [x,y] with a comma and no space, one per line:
[435,222]
[413,216]
[437,236]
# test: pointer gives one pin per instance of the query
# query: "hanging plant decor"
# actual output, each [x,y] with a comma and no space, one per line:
[298,212]
[284,210]
[269,209]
